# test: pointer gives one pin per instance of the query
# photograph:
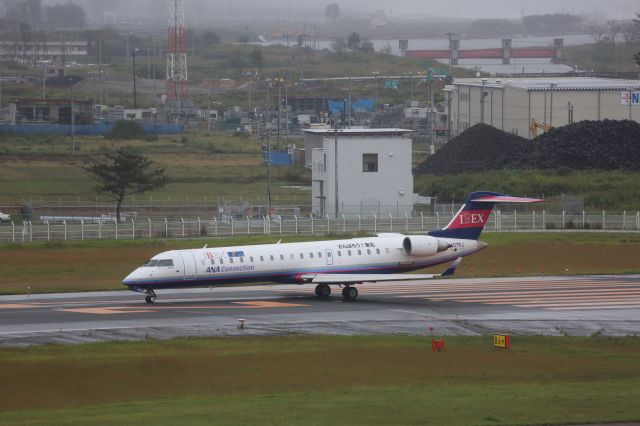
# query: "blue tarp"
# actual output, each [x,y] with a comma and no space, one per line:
[279,158]
[83,129]
[339,106]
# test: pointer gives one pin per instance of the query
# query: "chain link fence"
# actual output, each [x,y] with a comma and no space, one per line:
[65,229]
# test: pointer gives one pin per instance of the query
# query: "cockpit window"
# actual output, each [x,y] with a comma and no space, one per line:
[165,262]
[151,263]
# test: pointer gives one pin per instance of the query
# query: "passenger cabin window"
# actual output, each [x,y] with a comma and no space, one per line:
[213,261]
[221,261]
[261,258]
[301,256]
[370,163]
[311,255]
[387,250]
[368,251]
[282,257]
[378,251]
[165,262]
[291,256]
[319,254]
[231,260]
[339,253]
[251,259]
[359,252]
[349,252]
[271,257]
[242,260]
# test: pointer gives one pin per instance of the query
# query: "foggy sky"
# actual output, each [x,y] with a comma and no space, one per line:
[314,9]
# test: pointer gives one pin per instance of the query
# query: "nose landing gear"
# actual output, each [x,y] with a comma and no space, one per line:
[151,296]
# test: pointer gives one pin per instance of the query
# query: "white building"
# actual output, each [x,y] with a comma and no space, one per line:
[370,173]
[511,104]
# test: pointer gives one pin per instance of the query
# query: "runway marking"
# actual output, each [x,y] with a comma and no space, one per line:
[555,294]
[114,310]
[14,306]
[106,311]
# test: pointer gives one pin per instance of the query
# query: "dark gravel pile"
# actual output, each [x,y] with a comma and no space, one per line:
[604,145]
[481,147]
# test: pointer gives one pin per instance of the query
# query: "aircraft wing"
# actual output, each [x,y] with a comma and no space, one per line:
[372,278]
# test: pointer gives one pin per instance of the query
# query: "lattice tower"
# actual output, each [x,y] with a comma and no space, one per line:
[177,77]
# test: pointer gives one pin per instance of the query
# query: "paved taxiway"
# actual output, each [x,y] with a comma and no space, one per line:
[540,305]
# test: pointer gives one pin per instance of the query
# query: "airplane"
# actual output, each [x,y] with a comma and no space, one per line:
[344,263]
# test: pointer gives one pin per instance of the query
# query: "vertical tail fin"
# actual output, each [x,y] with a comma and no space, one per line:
[470,220]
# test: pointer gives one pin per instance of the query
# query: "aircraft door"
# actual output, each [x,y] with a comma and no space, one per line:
[190,265]
[329,256]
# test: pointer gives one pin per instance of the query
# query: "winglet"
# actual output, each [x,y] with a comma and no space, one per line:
[452,268]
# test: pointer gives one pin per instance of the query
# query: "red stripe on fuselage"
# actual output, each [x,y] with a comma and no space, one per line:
[470,219]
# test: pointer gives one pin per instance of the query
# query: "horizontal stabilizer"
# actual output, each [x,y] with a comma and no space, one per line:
[505,199]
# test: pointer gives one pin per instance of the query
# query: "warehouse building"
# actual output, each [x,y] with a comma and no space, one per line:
[360,171]
[526,106]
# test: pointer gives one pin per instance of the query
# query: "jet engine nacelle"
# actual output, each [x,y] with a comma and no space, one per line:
[423,245]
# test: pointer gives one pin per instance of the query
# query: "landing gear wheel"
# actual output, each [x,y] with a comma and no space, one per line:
[349,293]
[323,291]
[151,297]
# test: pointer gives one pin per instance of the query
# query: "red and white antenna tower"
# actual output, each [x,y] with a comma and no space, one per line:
[177,78]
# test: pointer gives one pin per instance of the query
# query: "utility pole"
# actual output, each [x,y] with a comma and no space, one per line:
[268,176]
[44,82]
[209,107]
[553,85]
[349,105]
[484,81]
[450,36]
[135,103]
[73,129]
[335,164]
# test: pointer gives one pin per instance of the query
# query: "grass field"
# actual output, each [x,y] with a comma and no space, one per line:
[101,265]
[323,380]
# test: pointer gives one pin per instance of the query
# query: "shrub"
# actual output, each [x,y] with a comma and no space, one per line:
[126,129]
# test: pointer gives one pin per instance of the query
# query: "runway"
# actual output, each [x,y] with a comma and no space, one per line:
[539,305]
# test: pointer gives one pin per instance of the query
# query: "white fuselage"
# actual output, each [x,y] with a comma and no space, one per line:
[288,262]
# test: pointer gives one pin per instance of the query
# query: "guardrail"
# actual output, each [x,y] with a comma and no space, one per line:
[197,228]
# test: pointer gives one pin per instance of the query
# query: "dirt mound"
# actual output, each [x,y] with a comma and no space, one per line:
[605,145]
[481,147]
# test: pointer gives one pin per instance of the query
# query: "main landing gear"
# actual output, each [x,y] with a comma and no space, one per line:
[349,293]
[323,291]
[151,296]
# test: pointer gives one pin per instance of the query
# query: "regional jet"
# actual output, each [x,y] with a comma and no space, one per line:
[344,263]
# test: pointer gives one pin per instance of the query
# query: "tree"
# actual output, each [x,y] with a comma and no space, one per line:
[366,46]
[257,59]
[338,45]
[332,12]
[68,15]
[353,42]
[126,173]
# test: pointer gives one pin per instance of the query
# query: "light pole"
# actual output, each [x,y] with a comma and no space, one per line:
[135,103]
[450,36]
[484,81]
[448,91]
[553,85]
[375,78]
[209,107]
[73,129]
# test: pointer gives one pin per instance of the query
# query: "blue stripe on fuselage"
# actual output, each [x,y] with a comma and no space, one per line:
[282,277]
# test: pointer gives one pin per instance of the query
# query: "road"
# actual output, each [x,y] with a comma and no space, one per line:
[540,305]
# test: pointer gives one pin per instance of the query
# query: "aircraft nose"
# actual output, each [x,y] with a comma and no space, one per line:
[131,278]
[482,245]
